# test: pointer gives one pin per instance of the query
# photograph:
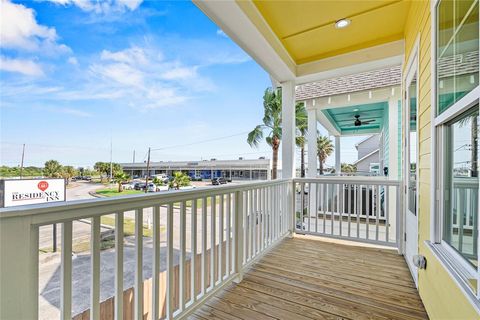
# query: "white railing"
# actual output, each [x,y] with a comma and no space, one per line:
[353,208]
[215,233]
[463,220]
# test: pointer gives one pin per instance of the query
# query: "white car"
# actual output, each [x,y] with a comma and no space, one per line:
[129,186]
[151,187]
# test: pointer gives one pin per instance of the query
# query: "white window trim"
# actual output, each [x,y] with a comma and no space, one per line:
[456,265]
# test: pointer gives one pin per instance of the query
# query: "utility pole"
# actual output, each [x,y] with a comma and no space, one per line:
[111,159]
[133,156]
[148,170]
[21,165]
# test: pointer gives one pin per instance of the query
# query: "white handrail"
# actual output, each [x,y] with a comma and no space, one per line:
[255,223]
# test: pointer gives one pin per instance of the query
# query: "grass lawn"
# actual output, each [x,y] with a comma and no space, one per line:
[128,230]
[113,192]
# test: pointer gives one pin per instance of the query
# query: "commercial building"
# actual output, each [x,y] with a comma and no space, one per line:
[241,169]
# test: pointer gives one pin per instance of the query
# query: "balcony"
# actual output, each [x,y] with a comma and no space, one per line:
[262,236]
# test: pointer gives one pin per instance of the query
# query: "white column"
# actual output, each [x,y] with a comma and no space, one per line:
[393,161]
[312,143]
[288,145]
[312,159]
[337,156]
[288,130]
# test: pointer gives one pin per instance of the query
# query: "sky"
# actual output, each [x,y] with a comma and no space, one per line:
[80,76]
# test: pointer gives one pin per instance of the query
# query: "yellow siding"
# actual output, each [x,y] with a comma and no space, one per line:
[441,296]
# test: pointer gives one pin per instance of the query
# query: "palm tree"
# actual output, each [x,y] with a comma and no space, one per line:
[324,150]
[121,177]
[272,122]
[180,179]
[52,169]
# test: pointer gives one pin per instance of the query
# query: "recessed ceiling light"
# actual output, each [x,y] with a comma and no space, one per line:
[342,23]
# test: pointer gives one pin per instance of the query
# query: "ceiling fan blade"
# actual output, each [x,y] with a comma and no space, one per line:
[367,121]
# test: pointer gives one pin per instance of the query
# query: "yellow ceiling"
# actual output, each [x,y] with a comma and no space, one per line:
[307,28]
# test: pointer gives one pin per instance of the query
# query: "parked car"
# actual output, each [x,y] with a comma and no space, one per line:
[162,188]
[139,186]
[151,187]
[129,186]
[218,181]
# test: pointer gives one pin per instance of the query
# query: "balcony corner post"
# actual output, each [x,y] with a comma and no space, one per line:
[19,269]
[238,237]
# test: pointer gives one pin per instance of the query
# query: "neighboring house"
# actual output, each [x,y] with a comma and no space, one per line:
[368,159]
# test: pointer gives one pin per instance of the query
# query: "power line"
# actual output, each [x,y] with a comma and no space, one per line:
[199,142]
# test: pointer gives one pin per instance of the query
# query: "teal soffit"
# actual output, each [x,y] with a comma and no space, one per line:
[343,118]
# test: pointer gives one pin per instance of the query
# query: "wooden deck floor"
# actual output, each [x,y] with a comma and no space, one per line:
[312,279]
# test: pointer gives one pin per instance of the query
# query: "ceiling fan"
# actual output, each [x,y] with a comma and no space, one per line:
[359,122]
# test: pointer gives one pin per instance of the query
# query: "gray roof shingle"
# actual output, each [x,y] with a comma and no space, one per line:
[352,83]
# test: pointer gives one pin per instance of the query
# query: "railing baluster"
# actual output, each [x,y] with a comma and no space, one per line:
[386,212]
[220,238]
[228,253]
[349,210]
[378,212]
[340,207]
[324,211]
[95,268]
[119,266]
[66,271]
[317,204]
[245,226]
[332,210]
[204,245]
[193,251]
[262,218]
[368,199]
[138,264]
[156,264]
[358,203]
[212,240]
[181,264]
[250,225]
[170,274]
[238,235]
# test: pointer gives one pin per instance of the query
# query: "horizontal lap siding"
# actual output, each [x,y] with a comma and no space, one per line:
[441,296]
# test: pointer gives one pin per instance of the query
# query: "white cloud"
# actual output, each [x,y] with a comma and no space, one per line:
[73,112]
[72,60]
[180,73]
[23,66]
[121,73]
[134,55]
[19,30]
[102,7]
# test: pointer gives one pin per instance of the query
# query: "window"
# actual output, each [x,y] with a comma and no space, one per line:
[460,225]
[456,141]
[457,51]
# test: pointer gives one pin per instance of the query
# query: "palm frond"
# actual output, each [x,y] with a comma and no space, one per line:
[255,136]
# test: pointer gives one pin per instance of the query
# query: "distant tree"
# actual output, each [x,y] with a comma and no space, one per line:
[52,169]
[180,179]
[348,168]
[104,168]
[301,138]
[324,150]
[121,177]
[272,123]
[157,181]
[69,172]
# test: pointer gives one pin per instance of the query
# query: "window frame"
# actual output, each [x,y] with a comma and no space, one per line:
[455,264]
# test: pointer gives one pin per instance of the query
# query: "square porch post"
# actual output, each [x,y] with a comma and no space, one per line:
[312,158]
[338,166]
[288,146]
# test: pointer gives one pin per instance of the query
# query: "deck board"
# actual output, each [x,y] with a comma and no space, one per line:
[304,278]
